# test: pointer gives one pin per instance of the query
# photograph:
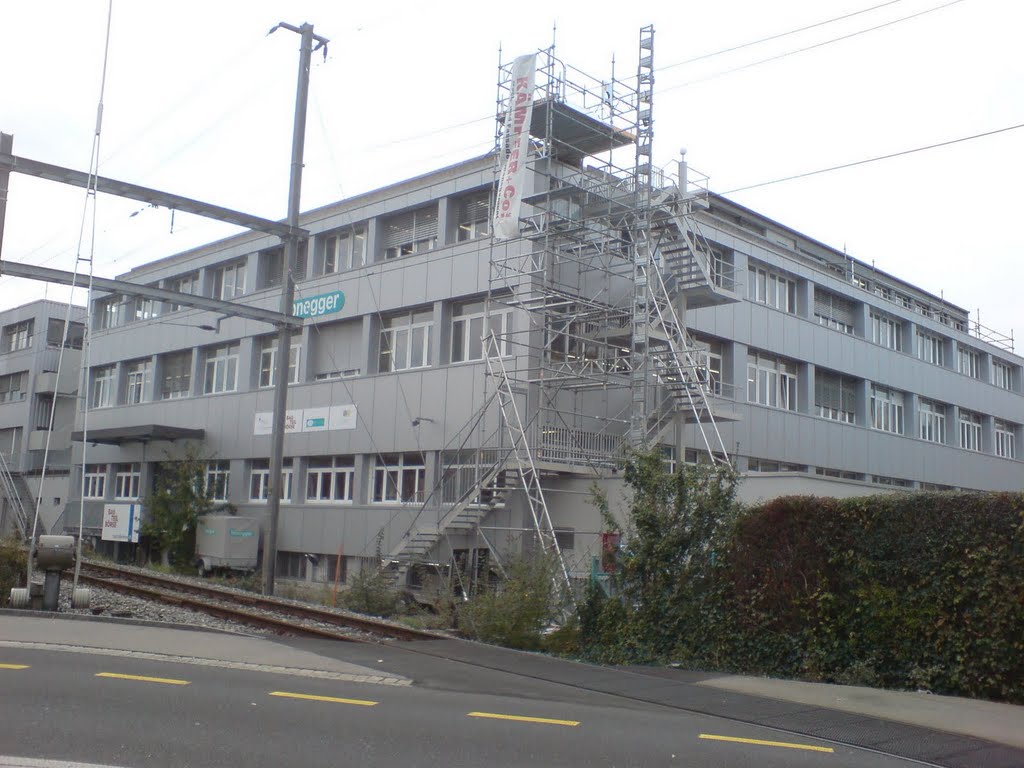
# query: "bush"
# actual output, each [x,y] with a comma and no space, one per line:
[514,612]
[13,564]
[371,591]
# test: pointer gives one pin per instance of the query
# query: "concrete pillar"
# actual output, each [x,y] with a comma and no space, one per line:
[197,371]
[862,321]
[805,388]
[151,391]
[248,364]
[988,433]
[372,238]
[306,371]
[441,335]
[739,266]
[370,340]
[862,413]
[445,230]
[734,368]
[985,368]
[911,408]
[909,330]
[953,426]
[805,299]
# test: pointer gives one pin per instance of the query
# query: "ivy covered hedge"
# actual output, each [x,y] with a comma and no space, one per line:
[908,590]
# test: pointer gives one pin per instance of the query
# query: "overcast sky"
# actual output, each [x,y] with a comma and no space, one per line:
[199,102]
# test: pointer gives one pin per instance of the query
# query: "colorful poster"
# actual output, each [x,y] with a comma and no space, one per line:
[515,148]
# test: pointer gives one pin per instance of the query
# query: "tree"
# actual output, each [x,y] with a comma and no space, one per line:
[180,497]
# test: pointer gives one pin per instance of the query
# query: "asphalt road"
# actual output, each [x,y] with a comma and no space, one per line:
[95,709]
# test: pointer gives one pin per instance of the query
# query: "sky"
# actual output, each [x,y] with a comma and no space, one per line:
[198,100]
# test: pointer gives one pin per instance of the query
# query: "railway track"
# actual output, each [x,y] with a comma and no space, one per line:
[278,616]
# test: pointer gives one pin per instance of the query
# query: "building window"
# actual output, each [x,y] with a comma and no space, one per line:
[970,431]
[405,341]
[897,482]
[18,336]
[709,366]
[399,478]
[221,369]
[259,480]
[111,312]
[1005,440]
[127,480]
[1002,374]
[474,216]
[835,396]
[291,565]
[329,478]
[176,376]
[218,480]
[771,381]
[886,409]
[931,349]
[268,362]
[887,331]
[12,387]
[834,311]
[932,421]
[95,485]
[969,362]
[410,232]
[469,326]
[229,281]
[139,374]
[104,387]
[185,284]
[343,250]
[55,334]
[145,309]
[767,287]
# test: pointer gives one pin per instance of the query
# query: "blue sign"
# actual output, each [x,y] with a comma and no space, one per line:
[324,304]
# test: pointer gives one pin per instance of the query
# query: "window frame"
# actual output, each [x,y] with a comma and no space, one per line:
[932,421]
[405,326]
[184,376]
[461,349]
[136,381]
[267,375]
[222,359]
[217,480]
[129,480]
[259,480]
[333,478]
[888,410]
[103,389]
[1005,439]
[971,437]
[390,479]
[969,358]
[931,348]
[19,336]
[225,289]
[769,383]
[771,288]
[887,331]
[1002,374]
[94,483]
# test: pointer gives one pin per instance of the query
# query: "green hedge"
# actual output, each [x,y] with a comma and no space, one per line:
[906,590]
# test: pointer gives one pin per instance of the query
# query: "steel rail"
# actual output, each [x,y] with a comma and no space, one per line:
[102,572]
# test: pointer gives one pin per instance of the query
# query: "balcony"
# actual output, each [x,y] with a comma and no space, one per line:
[46,383]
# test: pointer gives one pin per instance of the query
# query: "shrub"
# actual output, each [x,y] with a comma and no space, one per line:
[514,612]
[13,564]
[371,591]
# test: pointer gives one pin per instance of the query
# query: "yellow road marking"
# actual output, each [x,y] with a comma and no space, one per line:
[333,699]
[766,743]
[522,719]
[143,679]
[13,666]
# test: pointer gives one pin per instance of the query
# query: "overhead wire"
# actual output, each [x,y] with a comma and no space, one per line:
[865,161]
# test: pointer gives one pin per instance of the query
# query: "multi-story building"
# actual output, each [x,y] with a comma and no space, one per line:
[37,408]
[453,397]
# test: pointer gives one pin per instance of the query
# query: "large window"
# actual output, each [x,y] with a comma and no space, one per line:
[12,387]
[473,216]
[18,336]
[931,349]
[176,375]
[343,250]
[887,331]
[886,409]
[1005,439]
[127,479]
[221,369]
[969,362]
[184,284]
[410,232]
[405,341]
[55,334]
[470,324]
[1002,374]
[268,362]
[767,287]
[104,387]
[399,478]
[259,480]
[95,481]
[835,396]
[218,480]
[932,421]
[834,311]
[970,430]
[145,308]
[329,478]
[111,312]
[137,380]
[771,381]
[229,281]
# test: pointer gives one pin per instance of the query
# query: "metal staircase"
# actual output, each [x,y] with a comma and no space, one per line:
[14,489]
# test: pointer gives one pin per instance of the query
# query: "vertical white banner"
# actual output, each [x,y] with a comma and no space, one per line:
[517,145]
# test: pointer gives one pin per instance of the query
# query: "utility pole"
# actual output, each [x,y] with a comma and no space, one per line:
[284,336]
[6,146]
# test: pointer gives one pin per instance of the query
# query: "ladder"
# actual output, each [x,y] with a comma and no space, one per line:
[10,491]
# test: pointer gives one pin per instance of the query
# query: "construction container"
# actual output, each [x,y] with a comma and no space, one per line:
[227,542]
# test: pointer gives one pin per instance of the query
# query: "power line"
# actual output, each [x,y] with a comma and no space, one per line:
[776,36]
[811,47]
[874,159]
